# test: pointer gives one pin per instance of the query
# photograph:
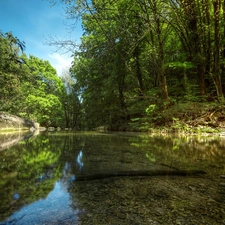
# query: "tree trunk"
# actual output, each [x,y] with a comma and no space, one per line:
[121,72]
[137,53]
[161,72]
[216,67]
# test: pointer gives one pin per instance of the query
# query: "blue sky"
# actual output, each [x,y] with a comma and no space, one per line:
[32,21]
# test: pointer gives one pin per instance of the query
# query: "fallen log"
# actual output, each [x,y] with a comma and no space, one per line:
[97,176]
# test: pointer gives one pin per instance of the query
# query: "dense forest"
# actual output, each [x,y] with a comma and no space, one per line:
[141,63]
[30,87]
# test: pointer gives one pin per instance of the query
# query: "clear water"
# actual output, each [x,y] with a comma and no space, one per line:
[38,175]
[54,209]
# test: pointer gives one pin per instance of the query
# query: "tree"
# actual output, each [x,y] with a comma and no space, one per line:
[11,73]
[217,49]
[71,102]
[148,53]
[43,92]
[29,86]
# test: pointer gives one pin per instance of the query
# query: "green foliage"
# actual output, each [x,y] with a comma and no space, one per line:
[135,61]
[180,65]
[29,87]
[151,157]
[44,93]
[150,109]
[131,59]
[179,126]
[11,74]
[23,165]
[43,109]
[71,102]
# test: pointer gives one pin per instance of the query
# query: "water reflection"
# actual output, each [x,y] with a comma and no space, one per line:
[54,209]
[79,160]
[9,139]
[185,152]
[38,176]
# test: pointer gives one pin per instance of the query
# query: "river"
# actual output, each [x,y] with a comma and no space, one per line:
[62,178]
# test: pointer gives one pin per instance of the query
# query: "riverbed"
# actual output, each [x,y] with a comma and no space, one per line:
[88,178]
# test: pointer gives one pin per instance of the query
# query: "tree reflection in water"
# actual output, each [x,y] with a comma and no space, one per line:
[38,176]
[54,209]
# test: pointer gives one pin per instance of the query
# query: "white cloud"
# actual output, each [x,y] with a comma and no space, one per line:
[60,62]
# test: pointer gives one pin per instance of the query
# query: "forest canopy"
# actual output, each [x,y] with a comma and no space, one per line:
[136,59]
[29,86]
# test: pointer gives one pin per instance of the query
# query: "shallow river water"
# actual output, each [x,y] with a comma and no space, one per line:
[95,178]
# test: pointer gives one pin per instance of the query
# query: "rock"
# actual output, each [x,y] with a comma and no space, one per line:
[32,129]
[211,201]
[13,139]
[11,122]
[139,191]
[51,128]
[222,184]
[192,188]
[121,215]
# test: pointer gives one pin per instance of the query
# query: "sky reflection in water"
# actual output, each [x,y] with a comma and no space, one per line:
[33,167]
[79,160]
[55,209]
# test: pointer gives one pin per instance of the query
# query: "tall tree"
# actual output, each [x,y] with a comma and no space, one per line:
[217,48]
[44,92]
[145,52]
[11,72]
[71,102]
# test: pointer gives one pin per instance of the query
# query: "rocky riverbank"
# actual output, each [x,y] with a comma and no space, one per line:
[11,122]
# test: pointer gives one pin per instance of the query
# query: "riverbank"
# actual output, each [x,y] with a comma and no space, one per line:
[190,117]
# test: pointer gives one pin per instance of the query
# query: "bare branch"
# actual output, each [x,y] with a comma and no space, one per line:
[63,45]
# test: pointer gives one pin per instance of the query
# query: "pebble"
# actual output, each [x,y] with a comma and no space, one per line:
[154,201]
[178,222]
[211,200]
[192,188]
[121,215]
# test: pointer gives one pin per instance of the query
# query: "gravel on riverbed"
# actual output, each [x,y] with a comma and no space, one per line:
[153,200]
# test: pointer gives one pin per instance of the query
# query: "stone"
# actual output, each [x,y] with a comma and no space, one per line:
[32,129]
[11,122]
[51,128]
[192,188]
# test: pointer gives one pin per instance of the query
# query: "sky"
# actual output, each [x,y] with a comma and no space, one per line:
[34,21]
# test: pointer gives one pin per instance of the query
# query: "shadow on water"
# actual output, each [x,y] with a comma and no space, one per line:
[39,177]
